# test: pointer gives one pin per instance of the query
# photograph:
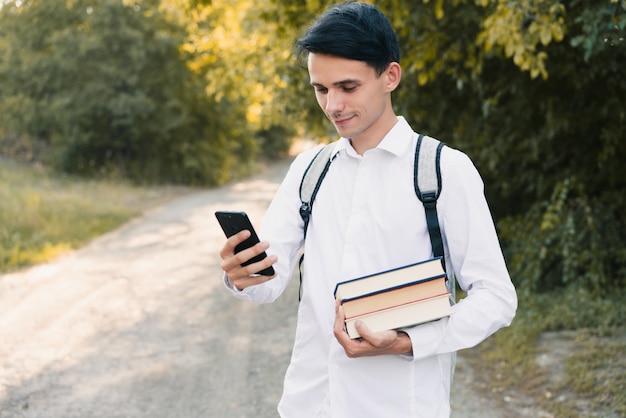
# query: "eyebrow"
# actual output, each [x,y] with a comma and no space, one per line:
[338,83]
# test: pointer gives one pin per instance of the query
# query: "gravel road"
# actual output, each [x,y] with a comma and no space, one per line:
[137,324]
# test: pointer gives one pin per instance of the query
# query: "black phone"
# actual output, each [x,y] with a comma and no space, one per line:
[232,223]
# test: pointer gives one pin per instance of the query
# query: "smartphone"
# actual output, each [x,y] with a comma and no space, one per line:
[232,223]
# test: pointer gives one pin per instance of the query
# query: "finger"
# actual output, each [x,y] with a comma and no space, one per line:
[229,247]
[235,261]
[364,331]
[340,317]
[243,256]
[339,327]
[244,276]
[379,340]
[254,268]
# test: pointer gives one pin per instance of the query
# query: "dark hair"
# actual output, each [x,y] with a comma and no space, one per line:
[352,30]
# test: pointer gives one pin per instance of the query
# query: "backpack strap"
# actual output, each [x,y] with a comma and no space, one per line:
[309,186]
[312,180]
[427,183]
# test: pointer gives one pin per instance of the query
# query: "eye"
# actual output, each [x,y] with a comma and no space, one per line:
[322,90]
[349,89]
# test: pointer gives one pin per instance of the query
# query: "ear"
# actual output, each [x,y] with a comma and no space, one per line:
[393,75]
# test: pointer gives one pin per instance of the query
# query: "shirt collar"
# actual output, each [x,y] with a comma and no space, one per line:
[395,142]
[398,137]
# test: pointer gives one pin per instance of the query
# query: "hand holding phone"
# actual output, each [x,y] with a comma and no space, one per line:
[234,222]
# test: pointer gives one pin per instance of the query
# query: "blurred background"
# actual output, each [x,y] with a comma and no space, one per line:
[194,93]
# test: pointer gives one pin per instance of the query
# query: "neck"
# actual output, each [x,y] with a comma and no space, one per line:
[370,138]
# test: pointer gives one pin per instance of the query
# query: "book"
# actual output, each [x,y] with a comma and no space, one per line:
[388,279]
[402,316]
[395,296]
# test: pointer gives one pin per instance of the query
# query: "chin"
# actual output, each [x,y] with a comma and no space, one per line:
[347,133]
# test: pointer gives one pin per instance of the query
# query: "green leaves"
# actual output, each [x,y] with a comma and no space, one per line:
[109,87]
[599,25]
[527,91]
[520,29]
[189,91]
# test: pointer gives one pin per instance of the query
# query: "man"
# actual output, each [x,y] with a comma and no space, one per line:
[367,219]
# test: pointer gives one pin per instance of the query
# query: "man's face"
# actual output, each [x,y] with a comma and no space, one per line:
[351,95]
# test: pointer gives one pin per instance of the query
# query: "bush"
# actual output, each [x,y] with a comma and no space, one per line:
[107,86]
[275,141]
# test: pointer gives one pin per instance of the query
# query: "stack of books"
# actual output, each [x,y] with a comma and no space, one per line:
[397,298]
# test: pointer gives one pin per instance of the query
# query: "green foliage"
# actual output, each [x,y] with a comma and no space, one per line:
[236,50]
[275,141]
[601,25]
[297,100]
[43,215]
[598,373]
[521,29]
[533,92]
[175,90]
[568,240]
[576,308]
[553,168]
[107,85]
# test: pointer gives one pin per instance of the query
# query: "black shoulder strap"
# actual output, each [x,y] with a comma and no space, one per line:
[312,180]
[427,183]
[309,186]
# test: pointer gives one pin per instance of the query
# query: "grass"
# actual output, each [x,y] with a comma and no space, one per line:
[587,343]
[43,214]
[597,372]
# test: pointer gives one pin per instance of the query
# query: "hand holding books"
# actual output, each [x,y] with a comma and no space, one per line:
[397,298]
[370,343]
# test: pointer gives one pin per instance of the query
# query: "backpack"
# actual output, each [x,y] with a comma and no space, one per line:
[426,181]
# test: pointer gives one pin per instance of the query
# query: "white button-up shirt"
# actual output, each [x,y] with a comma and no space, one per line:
[366,218]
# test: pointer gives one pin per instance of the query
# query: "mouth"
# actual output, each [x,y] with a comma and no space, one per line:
[342,121]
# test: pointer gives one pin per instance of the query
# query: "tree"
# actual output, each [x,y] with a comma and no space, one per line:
[533,91]
[107,85]
[237,52]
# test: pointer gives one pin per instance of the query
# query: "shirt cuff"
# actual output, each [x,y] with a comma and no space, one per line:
[239,294]
[229,285]
[426,338]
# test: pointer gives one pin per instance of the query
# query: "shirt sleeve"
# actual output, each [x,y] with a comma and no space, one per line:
[282,227]
[474,251]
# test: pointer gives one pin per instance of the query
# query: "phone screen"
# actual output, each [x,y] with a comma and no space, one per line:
[232,223]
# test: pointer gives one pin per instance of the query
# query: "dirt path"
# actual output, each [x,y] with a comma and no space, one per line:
[137,324]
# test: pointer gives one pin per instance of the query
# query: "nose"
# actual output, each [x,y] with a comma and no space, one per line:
[334,102]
